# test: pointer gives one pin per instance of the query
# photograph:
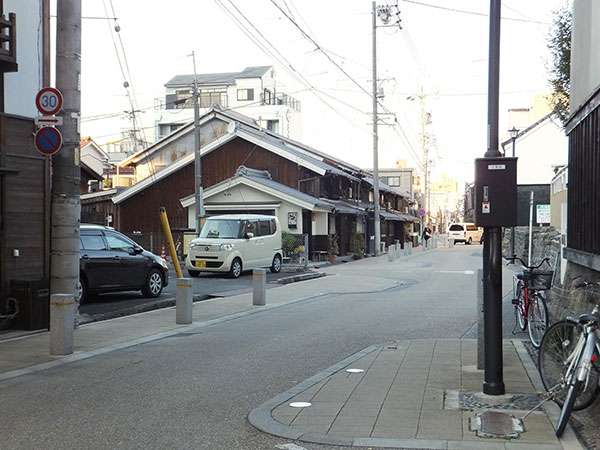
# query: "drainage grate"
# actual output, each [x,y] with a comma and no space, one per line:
[524,402]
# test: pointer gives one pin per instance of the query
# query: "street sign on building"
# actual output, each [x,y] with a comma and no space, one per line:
[543,214]
[49,101]
[48,140]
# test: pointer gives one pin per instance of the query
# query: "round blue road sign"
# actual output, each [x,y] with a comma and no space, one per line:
[421,212]
[48,140]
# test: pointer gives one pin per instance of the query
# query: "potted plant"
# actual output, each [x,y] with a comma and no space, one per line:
[333,249]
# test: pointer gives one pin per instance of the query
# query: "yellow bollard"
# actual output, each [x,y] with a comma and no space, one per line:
[167,230]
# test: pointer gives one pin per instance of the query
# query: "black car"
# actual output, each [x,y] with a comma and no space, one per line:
[109,262]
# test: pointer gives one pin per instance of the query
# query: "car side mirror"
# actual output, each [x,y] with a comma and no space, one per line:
[249,235]
[137,250]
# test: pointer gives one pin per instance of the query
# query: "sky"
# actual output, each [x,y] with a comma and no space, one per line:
[441,48]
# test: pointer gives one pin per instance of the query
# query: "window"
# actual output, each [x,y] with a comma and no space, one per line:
[393,181]
[264,228]
[273,226]
[456,227]
[273,125]
[119,244]
[267,97]
[245,94]
[93,242]
[224,229]
[251,227]
[209,98]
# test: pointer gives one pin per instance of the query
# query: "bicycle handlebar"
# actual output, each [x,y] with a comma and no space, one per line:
[515,257]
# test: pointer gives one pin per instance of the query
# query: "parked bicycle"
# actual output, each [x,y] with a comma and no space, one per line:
[529,302]
[568,361]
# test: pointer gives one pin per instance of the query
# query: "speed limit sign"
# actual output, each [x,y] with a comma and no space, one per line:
[49,101]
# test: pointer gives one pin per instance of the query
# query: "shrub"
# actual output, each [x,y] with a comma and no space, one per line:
[357,244]
[287,243]
[333,248]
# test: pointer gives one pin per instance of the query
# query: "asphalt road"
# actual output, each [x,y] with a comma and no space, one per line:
[205,286]
[194,391]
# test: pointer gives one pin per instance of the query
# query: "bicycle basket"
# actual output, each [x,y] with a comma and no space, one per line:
[540,280]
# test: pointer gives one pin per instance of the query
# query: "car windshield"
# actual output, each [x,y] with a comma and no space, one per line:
[221,229]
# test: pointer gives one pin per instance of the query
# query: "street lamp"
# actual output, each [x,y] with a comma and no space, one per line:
[513,132]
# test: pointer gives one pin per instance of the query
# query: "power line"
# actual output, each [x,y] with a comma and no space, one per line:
[462,11]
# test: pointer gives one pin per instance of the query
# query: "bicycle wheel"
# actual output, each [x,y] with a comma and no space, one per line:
[565,412]
[520,306]
[557,344]
[538,319]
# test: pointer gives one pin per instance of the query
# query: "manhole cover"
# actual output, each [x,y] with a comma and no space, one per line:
[300,404]
[496,424]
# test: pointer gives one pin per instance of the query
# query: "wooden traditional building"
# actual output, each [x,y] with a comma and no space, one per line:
[164,174]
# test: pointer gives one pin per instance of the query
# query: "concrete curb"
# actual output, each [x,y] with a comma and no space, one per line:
[301,277]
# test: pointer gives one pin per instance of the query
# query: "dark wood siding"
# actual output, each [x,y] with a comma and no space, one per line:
[25,201]
[222,163]
[584,185]
[140,212]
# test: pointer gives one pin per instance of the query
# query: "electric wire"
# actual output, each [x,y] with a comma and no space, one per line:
[474,13]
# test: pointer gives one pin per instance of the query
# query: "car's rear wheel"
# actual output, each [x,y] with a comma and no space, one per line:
[236,268]
[83,290]
[276,266]
[154,284]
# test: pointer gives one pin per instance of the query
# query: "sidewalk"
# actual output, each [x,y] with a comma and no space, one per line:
[410,394]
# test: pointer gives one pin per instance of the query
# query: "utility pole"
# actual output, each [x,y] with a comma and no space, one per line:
[425,153]
[199,203]
[493,383]
[65,203]
[375,140]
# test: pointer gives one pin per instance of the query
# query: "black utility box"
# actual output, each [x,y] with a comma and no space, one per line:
[34,304]
[496,192]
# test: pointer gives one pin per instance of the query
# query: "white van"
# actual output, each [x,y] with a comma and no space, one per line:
[236,242]
[465,232]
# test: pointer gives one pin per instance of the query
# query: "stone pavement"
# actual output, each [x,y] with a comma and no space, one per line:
[417,394]
[409,394]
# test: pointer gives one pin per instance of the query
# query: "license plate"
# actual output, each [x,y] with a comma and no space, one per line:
[200,263]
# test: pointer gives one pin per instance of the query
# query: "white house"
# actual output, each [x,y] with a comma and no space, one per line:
[254,92]
[540,145]
[20,88]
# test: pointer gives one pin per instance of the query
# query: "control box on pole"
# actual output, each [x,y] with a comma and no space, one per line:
[496,192]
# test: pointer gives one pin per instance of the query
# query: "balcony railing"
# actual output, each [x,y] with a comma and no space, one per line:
[8,43]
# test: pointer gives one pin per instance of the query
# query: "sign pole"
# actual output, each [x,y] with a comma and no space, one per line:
[64,245]
[493,383]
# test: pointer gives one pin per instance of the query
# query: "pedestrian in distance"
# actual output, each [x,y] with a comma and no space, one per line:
[426,235]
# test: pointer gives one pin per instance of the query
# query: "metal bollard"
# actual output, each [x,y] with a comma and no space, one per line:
[259,284]
[183,301]
[62,323]
[410,246]
[398,249]
[391,253]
